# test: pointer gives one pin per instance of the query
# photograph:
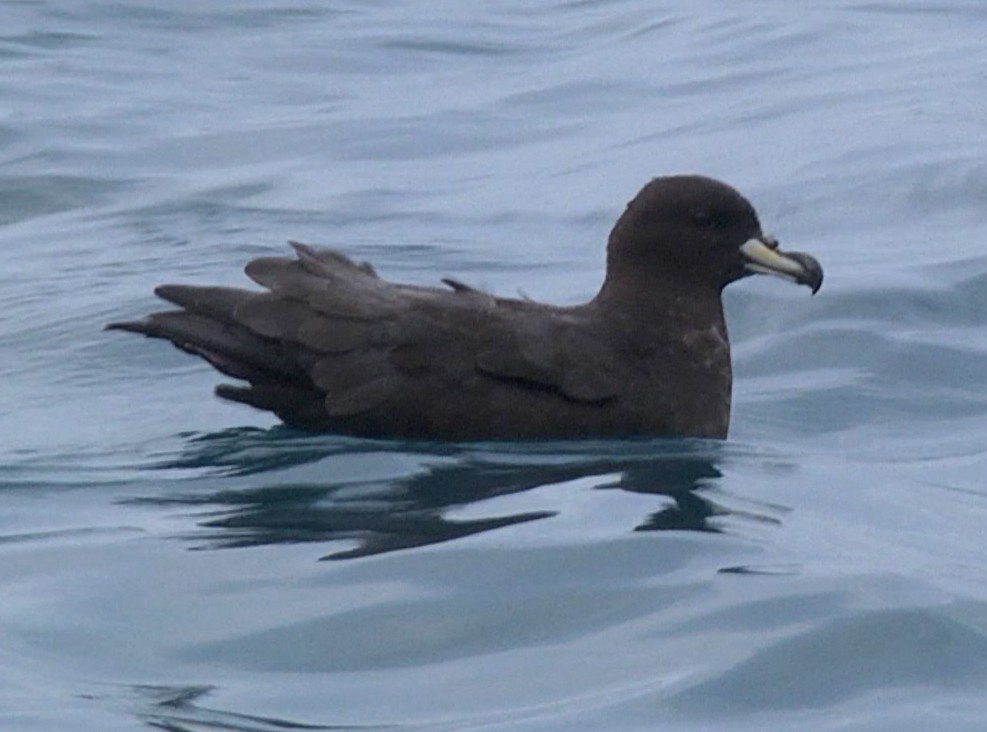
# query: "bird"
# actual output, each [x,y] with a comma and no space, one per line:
[330,346]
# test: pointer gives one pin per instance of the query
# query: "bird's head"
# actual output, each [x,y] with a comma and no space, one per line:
[690,231]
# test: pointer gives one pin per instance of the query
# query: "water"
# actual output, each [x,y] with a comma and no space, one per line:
[160,551]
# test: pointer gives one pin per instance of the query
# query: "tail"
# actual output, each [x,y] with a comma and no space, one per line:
[207,326]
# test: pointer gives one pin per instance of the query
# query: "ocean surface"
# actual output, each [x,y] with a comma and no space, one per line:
[172,562]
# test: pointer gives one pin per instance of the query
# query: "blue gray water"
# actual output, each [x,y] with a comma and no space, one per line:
[823,569]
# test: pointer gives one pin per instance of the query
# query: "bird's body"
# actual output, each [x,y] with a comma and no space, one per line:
[331,346]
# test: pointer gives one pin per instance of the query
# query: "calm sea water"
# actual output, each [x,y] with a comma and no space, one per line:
[161,553]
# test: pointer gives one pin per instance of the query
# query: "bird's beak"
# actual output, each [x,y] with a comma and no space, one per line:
[763,256]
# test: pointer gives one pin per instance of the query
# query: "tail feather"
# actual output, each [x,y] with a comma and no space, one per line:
[294,405]
[321,331]
[232,349]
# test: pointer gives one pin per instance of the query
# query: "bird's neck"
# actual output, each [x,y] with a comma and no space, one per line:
[673,329]
[655,299]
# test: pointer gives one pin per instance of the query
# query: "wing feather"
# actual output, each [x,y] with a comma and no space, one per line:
[328,339]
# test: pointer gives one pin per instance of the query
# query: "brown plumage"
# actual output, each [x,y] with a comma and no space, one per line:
[331,346]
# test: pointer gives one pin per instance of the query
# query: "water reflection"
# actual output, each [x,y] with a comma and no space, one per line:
[178,709]
[417,505]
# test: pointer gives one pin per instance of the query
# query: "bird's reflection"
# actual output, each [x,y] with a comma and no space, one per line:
[181,709]
[243,507]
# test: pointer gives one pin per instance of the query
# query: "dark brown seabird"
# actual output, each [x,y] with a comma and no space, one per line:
[331,346]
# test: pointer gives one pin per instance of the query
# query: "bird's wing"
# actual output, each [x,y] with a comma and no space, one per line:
[331,326]
[549,348]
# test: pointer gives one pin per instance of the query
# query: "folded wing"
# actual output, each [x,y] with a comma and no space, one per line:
[328,341]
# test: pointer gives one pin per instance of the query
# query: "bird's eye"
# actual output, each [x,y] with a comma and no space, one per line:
[704,218]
